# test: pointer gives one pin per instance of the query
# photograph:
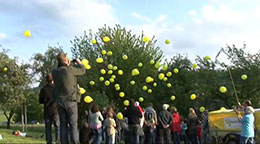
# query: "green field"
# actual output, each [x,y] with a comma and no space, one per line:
[35,133]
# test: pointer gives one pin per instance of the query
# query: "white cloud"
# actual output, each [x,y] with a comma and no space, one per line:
[138,16]
[2,36]
[46,17]
[192,13]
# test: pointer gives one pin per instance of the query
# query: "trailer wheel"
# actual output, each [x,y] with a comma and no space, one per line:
[231,138]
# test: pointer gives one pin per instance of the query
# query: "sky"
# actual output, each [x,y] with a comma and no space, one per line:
[194,27]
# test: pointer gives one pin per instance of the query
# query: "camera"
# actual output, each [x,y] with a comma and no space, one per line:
[74,60]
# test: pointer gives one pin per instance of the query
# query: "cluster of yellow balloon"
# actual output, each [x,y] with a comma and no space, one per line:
[126,102]
[207,58]
[167,41]
[161,76]
[149,79]
[146,39]
[194,66]
[157,65]
[106,39]
[85,62]
[99,60]
[172,98]
[92,83]
[93,41]
[135,72]
[121,94]
[124,57]
[244,77]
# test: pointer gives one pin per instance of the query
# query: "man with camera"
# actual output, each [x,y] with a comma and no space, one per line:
[66,94]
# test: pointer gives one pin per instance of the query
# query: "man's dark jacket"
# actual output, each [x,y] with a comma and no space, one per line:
[133,114]
[66,87]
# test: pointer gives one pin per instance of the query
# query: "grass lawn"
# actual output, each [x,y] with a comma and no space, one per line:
[35,134]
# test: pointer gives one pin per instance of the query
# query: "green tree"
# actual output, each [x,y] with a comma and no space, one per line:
[14,80]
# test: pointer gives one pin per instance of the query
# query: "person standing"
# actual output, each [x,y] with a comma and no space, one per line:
[51,115]
[192,124]
[247,133]
[150,122]
[95,121]
[175,126]
[110,126]
[133,115]
[165,120]
[66,94]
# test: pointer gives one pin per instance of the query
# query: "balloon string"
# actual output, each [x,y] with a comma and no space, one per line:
[230,75]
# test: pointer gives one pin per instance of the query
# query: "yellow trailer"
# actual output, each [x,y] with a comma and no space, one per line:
[225,128]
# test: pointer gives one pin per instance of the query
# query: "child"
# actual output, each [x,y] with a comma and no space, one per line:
[84,133]
[183,130]
[110,125]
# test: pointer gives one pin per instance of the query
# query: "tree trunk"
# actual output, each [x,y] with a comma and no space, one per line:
[9,118]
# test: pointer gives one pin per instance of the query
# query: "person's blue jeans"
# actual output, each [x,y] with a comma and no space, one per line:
[68,113]
[134,133]
[48,128]
[246,140]
[150,134]
[194,139]
[176,137]
[97,135]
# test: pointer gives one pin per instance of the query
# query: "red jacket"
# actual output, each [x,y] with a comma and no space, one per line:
[176,125]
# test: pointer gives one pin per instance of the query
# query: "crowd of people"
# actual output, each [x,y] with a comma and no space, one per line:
[138,125]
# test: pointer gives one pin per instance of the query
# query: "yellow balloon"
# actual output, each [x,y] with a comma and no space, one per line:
[27,33]
[207,58]
[172,98]
[93,41]
[88,67]
[92,83]
[161,76]
[126,102]
[5,69]
[194,66]
[109,53]
[176,70]
[140,64]
[113,76]
[135,72]
[103,71]
[223,108]
[169,85]
[165,67]
[152,62]
[146,39]
[132,82]
[141,99]
[99,60]
[165,79]
[117,85]
[85,62]
[150,91]
[110,66]
[154,84]
[114,68]
[193,96]
[169,74]
[244,77]
[167,41]
[144,88]
[106,39]
[157,65]
[124,57]
[112,80]
[202,109]
[121,94]
[120,72]
[103,52]
[101,78]
[117,88]
[107,83]
[110,72]
[120,116]
[88,99]
[223,89]
[149,79]
[82,90]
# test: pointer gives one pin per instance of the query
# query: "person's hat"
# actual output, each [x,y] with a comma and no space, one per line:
[137,103]
[249,110]
[165,106]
